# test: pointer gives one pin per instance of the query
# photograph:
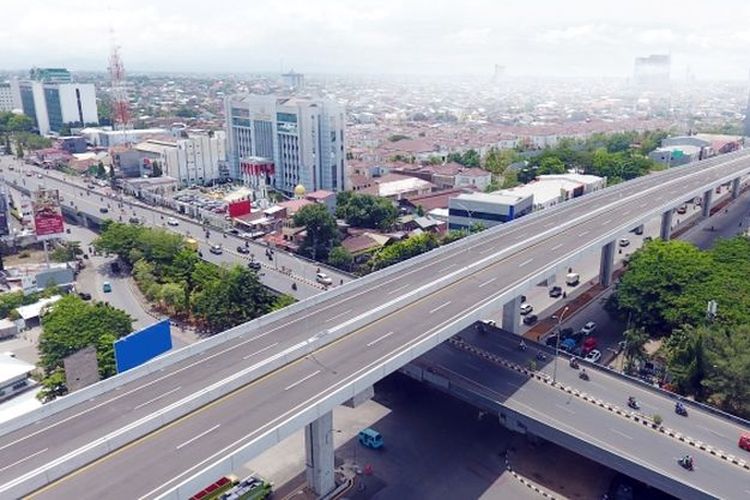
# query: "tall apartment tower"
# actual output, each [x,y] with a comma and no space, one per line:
[296,141]
[52,100]
[652,71]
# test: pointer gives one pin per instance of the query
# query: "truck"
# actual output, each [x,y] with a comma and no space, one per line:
[192,244]
[572,279]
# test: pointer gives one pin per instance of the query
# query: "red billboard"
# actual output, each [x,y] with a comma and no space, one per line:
[239,208]
[48,219]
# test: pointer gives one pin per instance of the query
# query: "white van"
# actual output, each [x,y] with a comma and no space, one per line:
[572,279]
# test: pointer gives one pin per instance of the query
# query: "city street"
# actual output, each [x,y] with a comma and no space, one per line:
[278,272]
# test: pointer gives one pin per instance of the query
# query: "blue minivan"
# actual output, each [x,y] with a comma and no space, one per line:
[370,438]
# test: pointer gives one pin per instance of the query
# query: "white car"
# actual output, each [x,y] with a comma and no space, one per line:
[172,222]
[589,328]
[594,356]
[323,279]
[526,308]
[624,242]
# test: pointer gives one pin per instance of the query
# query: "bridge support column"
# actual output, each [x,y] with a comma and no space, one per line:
[360,398]
[735,187]
[319,455]
[666,225]
[606,264]
[512,315]
[84,220]
[706,206]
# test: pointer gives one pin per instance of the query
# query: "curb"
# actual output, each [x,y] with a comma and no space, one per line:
[527,482]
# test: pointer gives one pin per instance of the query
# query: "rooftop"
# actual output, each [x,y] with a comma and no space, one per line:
[11,368]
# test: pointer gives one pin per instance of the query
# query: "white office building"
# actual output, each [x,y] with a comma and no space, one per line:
[550,190]
[487,209]
[304,138]
[10,96]
[52,105]
[199,158]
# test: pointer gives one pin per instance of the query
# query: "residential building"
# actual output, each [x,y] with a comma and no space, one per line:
[486,209]
[50,75]
[14,376]
[304,138]
[673,156]
[107,138]
[196,159]
[397,187]
[449,176]
[52,104]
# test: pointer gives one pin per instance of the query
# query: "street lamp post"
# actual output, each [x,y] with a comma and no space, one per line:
[557,343]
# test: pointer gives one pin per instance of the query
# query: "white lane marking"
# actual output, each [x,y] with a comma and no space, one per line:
[583,234]
[180,446]
[487,282]
[397,289]
[606,222]
[488,249]
[448,267]
[717,433]
[157,398]
[525,262]
[439,307]
[621,434]
[556,247]
[626,212]
[303,379]
[565,408]
[472,367]
[379,339]
[338,315]
[261,350]
[23,460]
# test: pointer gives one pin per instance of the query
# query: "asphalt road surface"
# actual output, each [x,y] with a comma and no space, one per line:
[500,258]
[598,426]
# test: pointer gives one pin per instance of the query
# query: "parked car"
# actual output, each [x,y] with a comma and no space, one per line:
[624,242]
[134,220]
[568,344]
[103,210]
[555,291]
[370,438]
[551,341]
[530,319]
[589,328]
[84,295]
[594,356]
[242,249]
[589,344]
[216,249]
[172,222]
[323,279]
[682,209]
[254,265]
[107,287]
[526,308]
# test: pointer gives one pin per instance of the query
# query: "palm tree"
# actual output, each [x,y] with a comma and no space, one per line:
[635,338]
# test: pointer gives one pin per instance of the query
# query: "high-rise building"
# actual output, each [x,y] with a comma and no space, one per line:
[747,118]
[293,81]
[652,71]
[304,138]
[50,75]
[52,100]
[8,99]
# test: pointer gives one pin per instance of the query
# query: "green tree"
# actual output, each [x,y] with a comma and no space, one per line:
[19,149]
[686,358]
[236,298]
[635,340]
[53,385]
[71,324]
[66,252]
[727,379]
[364,210]
[402,250]
[497,161]
[173,297]
[322,232]
[7,149]
[283,301]
[341,258]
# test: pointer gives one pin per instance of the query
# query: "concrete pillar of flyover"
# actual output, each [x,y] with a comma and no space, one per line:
[84,220]
[512,315]
[706,206]
[607,264]
[735,187]
[319,455]
[666,225]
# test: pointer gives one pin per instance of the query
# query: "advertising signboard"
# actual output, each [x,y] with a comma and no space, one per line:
[48,218]
[4,229]
[138,347]
[239,208]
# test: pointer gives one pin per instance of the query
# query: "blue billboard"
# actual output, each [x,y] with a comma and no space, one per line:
[138,347]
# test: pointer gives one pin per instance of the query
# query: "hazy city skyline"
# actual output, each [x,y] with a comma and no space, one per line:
[536,38]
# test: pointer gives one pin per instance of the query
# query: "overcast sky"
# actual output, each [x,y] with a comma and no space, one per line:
[436,37]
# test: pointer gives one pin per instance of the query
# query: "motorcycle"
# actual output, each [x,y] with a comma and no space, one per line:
[294,286]
[634,404]
[574,364]
[681,410]
[583,376]
[522,346]
[541,356]
[686,463]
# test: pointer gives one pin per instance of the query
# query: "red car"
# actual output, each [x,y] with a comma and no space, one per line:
[745,442]
[588,345]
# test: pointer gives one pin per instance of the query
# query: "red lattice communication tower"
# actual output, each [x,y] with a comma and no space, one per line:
[120,105]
